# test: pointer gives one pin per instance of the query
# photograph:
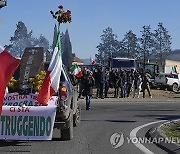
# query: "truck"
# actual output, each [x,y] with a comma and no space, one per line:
[171,81]
[23,118]
[68,110]
[123,63]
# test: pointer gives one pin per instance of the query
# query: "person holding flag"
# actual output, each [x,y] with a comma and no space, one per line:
[76,71]
[75,74]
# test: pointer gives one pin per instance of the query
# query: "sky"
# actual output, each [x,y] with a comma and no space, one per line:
[89,19]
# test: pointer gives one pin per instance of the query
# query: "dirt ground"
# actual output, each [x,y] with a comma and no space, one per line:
[154,92]
[164,94]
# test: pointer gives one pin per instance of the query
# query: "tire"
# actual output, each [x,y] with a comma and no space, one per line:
[67,134]
[175,87]
[77,117]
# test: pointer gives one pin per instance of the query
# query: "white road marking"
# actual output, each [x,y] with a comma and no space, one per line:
[134,132]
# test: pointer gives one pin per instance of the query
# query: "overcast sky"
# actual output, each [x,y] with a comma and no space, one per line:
[90,18]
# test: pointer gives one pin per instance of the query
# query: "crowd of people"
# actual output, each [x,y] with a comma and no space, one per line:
[124,82]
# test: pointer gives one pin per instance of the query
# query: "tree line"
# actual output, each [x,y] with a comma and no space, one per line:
[150,45]
[23,39]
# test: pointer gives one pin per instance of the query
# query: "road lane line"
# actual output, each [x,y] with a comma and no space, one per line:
[134,132]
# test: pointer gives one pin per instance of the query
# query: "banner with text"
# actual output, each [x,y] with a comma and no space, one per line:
[24,119]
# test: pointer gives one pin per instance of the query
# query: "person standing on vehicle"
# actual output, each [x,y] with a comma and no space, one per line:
[88,88]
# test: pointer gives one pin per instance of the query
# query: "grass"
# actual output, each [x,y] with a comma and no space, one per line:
[173,131]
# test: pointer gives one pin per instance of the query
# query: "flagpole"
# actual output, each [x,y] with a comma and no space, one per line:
[58,93]
[58,26]
[51,83]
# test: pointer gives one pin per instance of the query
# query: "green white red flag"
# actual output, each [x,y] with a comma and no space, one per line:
[8,65]
[51,82]
[76,70]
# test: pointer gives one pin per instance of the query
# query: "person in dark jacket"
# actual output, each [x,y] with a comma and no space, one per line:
[97,77]
[72,78]
[106,83]
[145,84]
[116,83]
[123,84]
[102,82]
[130,82]
[88,88]
[81,81]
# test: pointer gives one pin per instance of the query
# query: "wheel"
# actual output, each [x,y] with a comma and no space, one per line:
[175,87]
[67,133]
[77,117]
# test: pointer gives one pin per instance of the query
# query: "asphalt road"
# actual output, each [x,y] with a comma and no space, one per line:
[106,117]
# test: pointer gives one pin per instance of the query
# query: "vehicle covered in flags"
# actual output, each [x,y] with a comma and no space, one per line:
[68,109]
[40,96]
[40,99]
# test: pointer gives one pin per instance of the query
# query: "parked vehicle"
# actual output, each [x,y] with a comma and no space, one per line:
[152,83]
[123,63]
[168,80]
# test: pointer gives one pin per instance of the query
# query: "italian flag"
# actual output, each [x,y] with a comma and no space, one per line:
[8,65]
[51,82]
[76,70]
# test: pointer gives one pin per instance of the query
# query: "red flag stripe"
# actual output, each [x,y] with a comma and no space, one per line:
[8,65]
[79,74]
[46,90]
